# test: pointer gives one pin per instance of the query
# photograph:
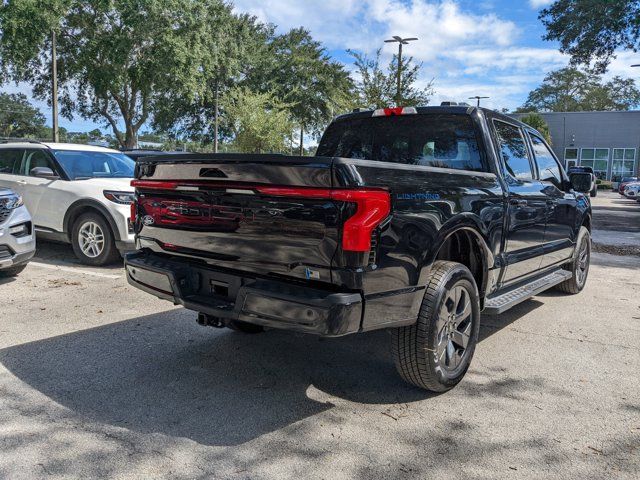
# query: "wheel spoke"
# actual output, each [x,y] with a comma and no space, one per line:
[461,337]
[451,354]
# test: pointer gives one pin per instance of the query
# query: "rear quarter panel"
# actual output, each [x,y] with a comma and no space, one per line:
[428,205]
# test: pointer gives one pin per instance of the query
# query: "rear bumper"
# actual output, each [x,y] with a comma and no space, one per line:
[231,296]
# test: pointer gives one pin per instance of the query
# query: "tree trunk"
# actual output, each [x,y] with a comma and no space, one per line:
[216,123]
[131,137]
[301,152]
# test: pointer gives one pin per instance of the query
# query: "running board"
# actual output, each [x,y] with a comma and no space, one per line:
[503,302]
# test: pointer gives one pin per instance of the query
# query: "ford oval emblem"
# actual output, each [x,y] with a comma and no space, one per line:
[148,220]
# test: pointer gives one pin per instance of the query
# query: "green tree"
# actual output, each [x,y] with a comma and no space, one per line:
[237,48]
[593,29]
[18,118]
[117,58]
[536,121]
[260,122]
[569,90]
[297,70]
[376,87]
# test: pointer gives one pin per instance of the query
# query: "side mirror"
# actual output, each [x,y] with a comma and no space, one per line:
[581,182]
[43,172]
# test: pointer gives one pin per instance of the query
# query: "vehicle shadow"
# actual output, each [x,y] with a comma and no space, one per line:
[164,373]
[61,254]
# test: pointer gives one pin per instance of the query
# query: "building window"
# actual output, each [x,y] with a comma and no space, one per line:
[570,157]
[596,158]
[623,164]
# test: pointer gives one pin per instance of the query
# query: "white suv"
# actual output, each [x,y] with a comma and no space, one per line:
[78,194]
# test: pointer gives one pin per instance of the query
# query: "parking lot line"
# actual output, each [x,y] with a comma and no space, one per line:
[75,270]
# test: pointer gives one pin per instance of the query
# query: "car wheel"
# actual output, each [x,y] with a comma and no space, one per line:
[594,192]
[245,327]
[579,266]
[436,351]
[92,240]
[13,271]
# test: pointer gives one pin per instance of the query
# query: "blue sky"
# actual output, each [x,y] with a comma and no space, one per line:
[484,47]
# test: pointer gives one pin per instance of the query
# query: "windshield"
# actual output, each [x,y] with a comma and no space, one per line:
[79,165]
[436,140]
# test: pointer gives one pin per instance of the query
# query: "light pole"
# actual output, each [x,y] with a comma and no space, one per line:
[54,89]
[478,98]
[400,41]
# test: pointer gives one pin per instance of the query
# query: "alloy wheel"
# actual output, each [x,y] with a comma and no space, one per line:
[91,239]
[454,328]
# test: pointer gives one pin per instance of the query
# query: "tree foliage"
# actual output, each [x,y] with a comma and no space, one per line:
[259,121]
[536,121]
[237,49]
[117,58]
[593,29]
[571,90]
[376,87]
[297,69]
[18,118]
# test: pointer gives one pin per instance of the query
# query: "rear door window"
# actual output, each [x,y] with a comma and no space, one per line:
[10,160]
[433,140]
[514,151]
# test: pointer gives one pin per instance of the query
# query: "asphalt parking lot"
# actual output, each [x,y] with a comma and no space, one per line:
[100,380]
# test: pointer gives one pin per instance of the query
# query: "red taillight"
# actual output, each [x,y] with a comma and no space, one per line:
[373,205]
[134,207]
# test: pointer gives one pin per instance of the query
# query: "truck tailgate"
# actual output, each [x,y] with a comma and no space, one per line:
[241,212]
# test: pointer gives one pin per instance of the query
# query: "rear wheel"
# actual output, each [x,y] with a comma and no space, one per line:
[436,352]
[579,266]
[93,241]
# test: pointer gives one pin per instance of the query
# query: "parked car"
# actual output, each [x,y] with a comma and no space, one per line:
[76,193]
[632,190]
[17,240]
[623,183]
[406,220]
[581,169]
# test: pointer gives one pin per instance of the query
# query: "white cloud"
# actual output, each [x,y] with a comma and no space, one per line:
[365,24]
[537,4]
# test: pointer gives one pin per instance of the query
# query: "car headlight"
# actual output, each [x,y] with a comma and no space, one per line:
[11,202]
[122,198]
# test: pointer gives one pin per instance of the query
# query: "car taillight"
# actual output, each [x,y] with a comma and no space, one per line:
[134,208]
[373,206]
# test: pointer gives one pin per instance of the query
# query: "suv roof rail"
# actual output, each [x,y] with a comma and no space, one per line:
[19,140]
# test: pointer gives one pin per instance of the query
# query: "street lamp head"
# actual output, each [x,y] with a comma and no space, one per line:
[636,65]
[403,41]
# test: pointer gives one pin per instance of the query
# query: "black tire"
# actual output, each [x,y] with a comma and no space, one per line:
[108,253]
[245,327]
[579,265]
[12,271]
[594,193]
[418,349]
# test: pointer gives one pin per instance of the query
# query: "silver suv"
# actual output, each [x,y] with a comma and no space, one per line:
[17,241]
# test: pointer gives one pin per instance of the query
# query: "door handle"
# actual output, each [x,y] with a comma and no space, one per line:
[518,202]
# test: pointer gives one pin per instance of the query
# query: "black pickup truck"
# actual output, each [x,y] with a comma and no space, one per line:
[412,220]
